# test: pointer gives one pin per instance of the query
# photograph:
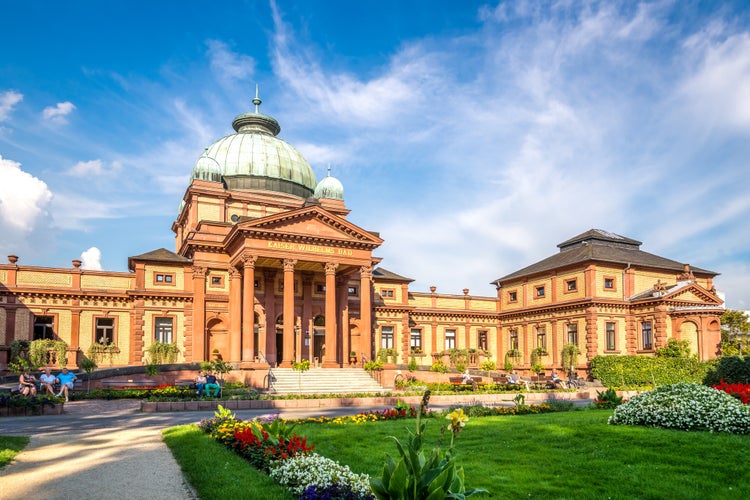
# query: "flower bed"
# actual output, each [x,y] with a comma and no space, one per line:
[685,406]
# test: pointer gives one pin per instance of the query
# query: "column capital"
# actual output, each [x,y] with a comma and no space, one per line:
[234,273]
[366,271]
[331,267]
[289,264]
[199,272]
[248,259]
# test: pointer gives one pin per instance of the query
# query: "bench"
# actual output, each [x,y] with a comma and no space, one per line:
[459,381]
[185,382]
[130,384]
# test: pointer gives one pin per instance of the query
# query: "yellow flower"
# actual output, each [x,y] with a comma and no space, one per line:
[458,419]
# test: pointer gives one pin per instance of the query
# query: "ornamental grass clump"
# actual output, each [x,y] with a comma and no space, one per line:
[690,407]
[312,476]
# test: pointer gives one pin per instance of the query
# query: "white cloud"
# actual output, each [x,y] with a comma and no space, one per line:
[58,113]
[24,207]
[92,259]
[93,168]
[717,93]
[229,66]
[8,99]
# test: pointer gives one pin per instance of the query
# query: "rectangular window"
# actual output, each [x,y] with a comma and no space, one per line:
[539,291]
[514,339]
[609,283]
[450,339]
[256,283]
[513,296]
[571,285]
[416,339]
[44,327]
[610,336]
[541,337]
[573,333]
[387,293]
[104,331]
[163,328]
[217,281]
[164,278]
[386,337]
[482,340]
[647,336]
[320,288]
[352,290]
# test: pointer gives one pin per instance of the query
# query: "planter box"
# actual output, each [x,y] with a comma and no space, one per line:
[52,410]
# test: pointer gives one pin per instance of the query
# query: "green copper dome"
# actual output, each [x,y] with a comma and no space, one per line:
[329,188]
[254,158]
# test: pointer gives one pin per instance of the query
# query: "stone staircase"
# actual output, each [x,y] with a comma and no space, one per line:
[324,381]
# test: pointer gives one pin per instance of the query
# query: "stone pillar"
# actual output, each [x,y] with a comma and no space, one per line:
[365,310]
[235,314]
[592,339]
[289,322]
[342,319]
[267,338]
[330,352]
[199,313]
[248,307]
[306,331]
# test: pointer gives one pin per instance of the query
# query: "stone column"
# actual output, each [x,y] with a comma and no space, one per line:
[342,319]
[306,331]
[365,310]
[267,337]
[235,314]
[248,307]
[199,313]
[330,352]
[289,322]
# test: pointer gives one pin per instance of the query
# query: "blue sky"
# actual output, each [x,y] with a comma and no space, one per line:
[473,136]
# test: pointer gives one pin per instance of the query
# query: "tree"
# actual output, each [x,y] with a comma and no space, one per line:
[734,328]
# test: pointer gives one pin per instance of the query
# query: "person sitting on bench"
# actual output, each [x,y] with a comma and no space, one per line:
[47,382]
[211,383]
[467,377]
[27,383]
[67,381]
[555,379]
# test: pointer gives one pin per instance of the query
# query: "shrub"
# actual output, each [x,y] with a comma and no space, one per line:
[488,365]
[685,406]
[730,369]
[439,366]
[644,371]
[607,399]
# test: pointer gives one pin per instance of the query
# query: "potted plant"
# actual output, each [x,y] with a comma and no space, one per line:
[537,354]
[353,358]
[569,358]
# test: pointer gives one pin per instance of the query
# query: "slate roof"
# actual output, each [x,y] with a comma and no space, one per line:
[600,246]
[383,273]
[160,255]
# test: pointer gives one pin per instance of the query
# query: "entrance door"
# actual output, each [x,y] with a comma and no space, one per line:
[319,343]
[279,346]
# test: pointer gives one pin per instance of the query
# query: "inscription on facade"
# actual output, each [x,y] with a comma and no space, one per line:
[304,247]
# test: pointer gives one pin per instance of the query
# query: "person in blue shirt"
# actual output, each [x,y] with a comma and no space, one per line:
[67,380]
[212,385]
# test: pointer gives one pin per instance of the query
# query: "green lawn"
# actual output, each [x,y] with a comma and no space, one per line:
[10,446]
[558,455]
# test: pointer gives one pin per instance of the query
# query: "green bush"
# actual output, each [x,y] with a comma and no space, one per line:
[731,369]
[644,371]
[439,366]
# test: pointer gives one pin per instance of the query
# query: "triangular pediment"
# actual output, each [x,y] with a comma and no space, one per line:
[692,293]
[311,223]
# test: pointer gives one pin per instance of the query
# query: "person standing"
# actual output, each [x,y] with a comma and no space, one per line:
[67,380]
[47,382]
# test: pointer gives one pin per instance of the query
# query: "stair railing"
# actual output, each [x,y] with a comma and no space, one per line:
[270,378]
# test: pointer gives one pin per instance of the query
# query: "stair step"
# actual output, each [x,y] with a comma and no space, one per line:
[324,381]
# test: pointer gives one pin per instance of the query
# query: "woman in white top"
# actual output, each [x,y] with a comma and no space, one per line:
[47,382]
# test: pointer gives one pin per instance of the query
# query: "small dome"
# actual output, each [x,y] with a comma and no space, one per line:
[254,158]
[206,169]
[329,188]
